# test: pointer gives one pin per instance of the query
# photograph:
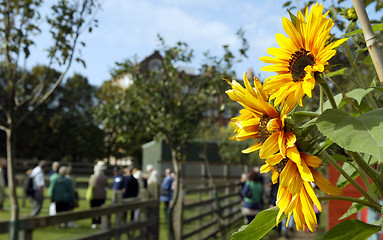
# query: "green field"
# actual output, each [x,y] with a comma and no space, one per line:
[84,226]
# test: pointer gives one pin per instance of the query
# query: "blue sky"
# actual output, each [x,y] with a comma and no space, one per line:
[130,27]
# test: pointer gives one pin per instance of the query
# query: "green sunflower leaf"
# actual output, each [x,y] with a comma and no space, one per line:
[362,134]
[377,27]
[337,72]
[351,230]
[359,93]
[355,207]
[260,226]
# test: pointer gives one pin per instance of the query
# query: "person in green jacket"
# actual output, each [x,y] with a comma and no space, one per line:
[63,192]
[53,176]
[252,193]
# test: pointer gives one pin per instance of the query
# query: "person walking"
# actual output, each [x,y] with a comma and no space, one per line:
[55,168]
[68,174]
[166,190]
[131,187]
[153,185]
[63,192]
[118,185]
[99,182]
[37,175]
[252,197]
[53,176]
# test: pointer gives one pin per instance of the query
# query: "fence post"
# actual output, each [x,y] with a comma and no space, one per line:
[156,226]
[227,202]
[118,215]
[218,213]
[199,213]
[105,222]
[178,214]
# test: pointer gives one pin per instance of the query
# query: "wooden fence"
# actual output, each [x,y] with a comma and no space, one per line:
[205,212]
[145,228]
[209,212]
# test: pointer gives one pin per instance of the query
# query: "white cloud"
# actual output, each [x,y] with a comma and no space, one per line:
[129,27]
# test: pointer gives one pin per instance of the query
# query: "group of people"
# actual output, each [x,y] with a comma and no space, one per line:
[61,189]
[127,183]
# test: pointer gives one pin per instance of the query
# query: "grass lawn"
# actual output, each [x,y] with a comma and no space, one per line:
[53,232]
[84,226]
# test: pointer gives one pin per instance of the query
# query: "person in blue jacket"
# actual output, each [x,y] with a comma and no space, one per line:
[166,192]
[118,185]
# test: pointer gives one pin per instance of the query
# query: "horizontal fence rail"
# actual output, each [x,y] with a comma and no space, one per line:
[28,224]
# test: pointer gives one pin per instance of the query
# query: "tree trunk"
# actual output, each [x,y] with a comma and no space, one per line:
[203,155]
[13,229]
[175,203]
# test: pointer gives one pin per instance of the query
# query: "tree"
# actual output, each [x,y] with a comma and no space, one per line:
[120,117]
[19,25]
[175,102]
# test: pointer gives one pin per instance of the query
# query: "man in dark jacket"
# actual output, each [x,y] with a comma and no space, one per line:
[131,187]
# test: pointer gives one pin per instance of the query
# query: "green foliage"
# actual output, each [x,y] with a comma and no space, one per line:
[362,134]
[351,230]
[376,27]
[120,116]
[358,94]
[355,207]
[62,128]
[351,171]
[260,226]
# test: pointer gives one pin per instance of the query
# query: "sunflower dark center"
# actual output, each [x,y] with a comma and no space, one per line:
[281,165]
[263,133]
[297,63]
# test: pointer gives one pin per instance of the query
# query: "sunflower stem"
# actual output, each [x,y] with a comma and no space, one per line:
[374,175]
[369,36]
[348,177]
[366,182]
[351,199]
[307,113]
[327,90]
[352,62]
[321,99]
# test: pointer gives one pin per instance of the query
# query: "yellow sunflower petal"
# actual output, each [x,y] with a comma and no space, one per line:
[253,148]
[274,159]
[275,176]
[265,168]
[310,191]
[270,146]
[325,184]
[312,161]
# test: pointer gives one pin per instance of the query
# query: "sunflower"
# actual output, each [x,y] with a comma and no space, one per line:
[295,193]
[259,119]
[300,56]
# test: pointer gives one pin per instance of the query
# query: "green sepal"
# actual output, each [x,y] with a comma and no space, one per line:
[293,18]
